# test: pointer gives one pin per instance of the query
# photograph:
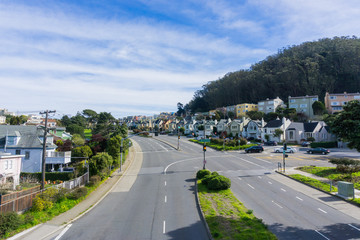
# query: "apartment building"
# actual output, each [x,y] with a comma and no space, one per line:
[303,104]
[270,105]
[242,109]
[334,102]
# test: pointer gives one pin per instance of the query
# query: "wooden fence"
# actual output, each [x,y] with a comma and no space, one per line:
[21,201]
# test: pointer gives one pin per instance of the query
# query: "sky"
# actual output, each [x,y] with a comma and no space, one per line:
[142,57]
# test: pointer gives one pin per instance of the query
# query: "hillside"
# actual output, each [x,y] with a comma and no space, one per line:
[312,68]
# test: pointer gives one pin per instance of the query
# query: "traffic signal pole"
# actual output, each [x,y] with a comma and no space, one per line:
[204,150]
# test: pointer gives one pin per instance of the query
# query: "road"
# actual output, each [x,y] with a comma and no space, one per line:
[160,202]
[289,213]
[159,205]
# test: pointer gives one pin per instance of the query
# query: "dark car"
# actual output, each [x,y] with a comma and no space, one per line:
[254,149]
[270,143]
[305,144]
[318,150]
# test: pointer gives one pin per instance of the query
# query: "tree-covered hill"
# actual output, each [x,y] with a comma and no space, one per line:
[312,68]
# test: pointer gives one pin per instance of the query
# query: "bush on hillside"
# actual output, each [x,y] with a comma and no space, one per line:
[324,144]
[9,222]
[77,193]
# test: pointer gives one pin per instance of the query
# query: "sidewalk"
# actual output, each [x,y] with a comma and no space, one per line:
[44,230]
[325,180]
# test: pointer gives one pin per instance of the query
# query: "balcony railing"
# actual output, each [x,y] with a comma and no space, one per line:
[58,157]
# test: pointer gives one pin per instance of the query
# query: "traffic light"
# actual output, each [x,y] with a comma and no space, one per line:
[179,137]
[285,147]
[204,148]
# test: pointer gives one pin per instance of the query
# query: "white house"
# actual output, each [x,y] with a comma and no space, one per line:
[223,125]
[271,126]
[270,105]
[298,132]
[237,125]
[28,141]
[253,129]
[10,168]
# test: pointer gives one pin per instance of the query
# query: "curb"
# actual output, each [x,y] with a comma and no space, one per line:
[201,212]
[163,141]
[328,193]
[80,215]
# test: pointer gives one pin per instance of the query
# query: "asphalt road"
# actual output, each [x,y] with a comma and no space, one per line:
[288,213]
[159,205]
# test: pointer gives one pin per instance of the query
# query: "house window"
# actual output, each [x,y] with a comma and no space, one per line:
[293,105]
[303,105]
[27,155]
[17,151]
[332,97]
[10,164]
[314,99]
[6,165]
[337,108]
[292,100]
[334,103]
[291,135]
[344,103]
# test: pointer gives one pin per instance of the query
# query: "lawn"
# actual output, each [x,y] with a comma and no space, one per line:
[333,174]
[228,218]
[220,147]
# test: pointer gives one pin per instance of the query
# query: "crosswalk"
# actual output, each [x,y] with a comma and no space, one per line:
[299,157]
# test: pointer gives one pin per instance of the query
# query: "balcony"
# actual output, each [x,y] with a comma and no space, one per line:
[58,157]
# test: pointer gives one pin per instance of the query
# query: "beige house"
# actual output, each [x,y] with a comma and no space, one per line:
[10,166]
[270,105]
[334,102]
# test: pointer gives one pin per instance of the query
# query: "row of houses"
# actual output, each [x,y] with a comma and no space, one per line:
[334,102]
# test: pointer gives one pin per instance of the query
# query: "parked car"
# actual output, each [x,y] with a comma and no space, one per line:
[270,143]
[288,150]
[254,149]
[305,144]
[189,136]
[318,150]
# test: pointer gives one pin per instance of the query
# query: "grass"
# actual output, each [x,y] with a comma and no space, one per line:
[228,218]
[313,182]
[333,174]
[220,147]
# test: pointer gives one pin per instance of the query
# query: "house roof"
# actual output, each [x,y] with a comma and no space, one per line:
[310,127]
[274,124]
[29,136]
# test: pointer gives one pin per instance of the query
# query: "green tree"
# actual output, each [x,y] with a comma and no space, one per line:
[270,116]
[346,125]
[81,153]
[100,164]
[318,108]
[255,115]
[113,148]
[77,139]
[278,132]
[75,129]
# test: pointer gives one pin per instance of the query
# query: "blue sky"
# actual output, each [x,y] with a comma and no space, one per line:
[143,57]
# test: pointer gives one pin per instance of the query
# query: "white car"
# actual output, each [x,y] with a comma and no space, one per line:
[288,150]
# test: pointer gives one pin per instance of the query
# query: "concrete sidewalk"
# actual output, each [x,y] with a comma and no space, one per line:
[327,198]
[44,230]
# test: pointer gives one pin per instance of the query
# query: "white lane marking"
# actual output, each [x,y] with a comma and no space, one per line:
[251,186]
[270,182]
[240,178]
[260,177]
[322,235]
[250,162]
[299,199]
[321,210]
[277,204]
[164,227]
[63,232]
[165,199]
[165,183]
[190,159]
[162,146]
[283,190]
[354,227]
[262,160]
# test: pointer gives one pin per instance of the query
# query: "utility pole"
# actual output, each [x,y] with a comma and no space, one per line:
[44,149]
[178,146]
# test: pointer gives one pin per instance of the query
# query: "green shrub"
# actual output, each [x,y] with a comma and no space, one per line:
[202,173]
[9,222]
[346,165]
[40,204]
[243,141]
[77,193]
[52,176]
[324,144]
[94,180]
[219,183]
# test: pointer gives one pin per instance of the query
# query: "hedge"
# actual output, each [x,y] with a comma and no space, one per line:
[52,176]
[324,144]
